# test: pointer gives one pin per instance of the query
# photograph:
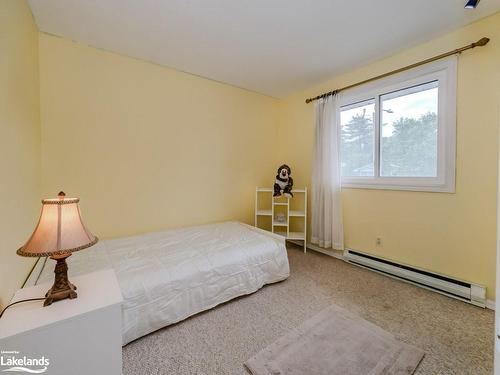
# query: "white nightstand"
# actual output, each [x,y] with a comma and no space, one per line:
[79,336]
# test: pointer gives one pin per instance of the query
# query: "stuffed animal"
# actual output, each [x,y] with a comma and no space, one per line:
[284,182]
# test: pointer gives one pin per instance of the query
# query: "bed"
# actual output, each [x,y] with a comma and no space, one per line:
[168,276]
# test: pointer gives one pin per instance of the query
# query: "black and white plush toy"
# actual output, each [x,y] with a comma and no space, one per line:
[284,182]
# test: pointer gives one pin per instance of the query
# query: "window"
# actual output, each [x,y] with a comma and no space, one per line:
[399,132]
[408,134]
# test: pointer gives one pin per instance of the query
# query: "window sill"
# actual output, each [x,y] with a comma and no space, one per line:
[406,187]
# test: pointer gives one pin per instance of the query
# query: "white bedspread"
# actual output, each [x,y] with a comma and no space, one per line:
[168,276]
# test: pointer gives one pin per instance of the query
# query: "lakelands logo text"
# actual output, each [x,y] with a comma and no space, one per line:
[14,362]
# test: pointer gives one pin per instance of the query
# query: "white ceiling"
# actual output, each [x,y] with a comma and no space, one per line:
[274,47]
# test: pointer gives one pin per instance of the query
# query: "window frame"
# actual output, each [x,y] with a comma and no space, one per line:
[443,71]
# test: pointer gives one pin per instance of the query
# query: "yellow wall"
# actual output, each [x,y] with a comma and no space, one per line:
[19,140]
[146,147]
[453,234]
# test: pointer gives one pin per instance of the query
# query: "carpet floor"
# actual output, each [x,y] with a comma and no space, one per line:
[456,337]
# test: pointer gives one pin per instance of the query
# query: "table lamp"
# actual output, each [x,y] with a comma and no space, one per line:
[59,232]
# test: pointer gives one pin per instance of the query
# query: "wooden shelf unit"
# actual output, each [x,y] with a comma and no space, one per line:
[263,194]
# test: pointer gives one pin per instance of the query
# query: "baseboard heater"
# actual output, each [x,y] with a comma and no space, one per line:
[464,291]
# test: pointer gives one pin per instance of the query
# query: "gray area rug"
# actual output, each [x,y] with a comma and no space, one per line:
[336,342]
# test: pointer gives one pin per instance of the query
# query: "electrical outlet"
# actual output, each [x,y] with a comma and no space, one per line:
[378,241]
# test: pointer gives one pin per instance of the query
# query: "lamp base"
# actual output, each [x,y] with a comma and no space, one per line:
[62,288]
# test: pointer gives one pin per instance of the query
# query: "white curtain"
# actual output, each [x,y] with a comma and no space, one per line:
[327,226]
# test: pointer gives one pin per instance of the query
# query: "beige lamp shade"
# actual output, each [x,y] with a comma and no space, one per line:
[60,230]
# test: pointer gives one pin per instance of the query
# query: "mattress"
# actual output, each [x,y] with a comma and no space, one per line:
[168,276]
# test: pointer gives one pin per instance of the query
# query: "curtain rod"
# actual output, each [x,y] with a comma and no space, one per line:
[481,42]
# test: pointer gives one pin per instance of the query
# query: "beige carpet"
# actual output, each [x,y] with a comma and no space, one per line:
[456,337]
[336,342]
